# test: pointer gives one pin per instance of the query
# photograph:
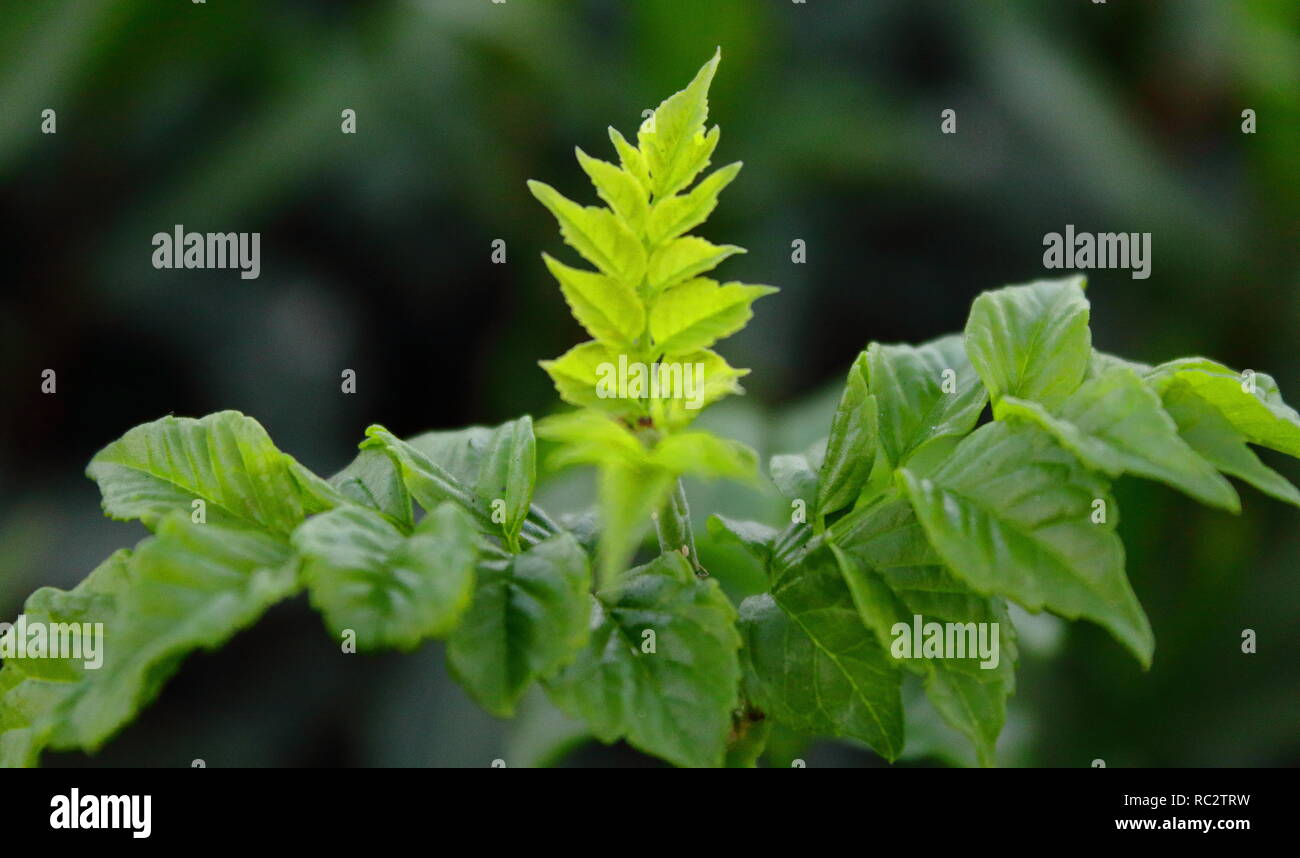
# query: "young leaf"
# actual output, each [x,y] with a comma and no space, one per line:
[673,141]
[529,617]
[720,379]
[1115,423]
[1251,403]
[1012,514]
[1031,341]
[577,375]
[391,590]
[673,216]
[683,258]
[924,393]
[814,666]
[624,195]
[703,455]
[851,447]
[192,586]
[630,492]
[374,481]
[630,158]
[661,668]
[699,312]
[225,459]
[1215,439]
[590,438]
[609,309]
[596,233]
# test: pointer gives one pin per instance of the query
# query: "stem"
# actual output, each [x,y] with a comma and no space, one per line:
[673,524]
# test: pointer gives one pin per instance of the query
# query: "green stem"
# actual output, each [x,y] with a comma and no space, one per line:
[673,524]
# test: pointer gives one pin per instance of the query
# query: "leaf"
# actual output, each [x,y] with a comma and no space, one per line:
[609,309]
[673,216]
[1216,440]
[674,701]
[33,691]
[720,379]
[814,666]
[630,158]
[851,447]
[683,258]
[1031,341]
[193,586]
[754,537]
[596,233]
[894,576]
[924,393]
[1010,513]
[591,438]
[703,455]
[577,375]
[472,468]
[224,459]
[673,141]
[390,590]
[795,476]
[629,494]
[1116,424]
[1251,403]
[529,616]
[374,481]
[625,196]
[699,312]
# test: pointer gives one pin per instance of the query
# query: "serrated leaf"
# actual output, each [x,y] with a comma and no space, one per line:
[33,691]
[530,615]
[391,590]
[699,312]
[192,586]
[630,158]
[374,481]
[1252,404]
[894,576]
[682,259]
[224,459]
[1011,512]
[673,216]
[1216,440]
[924,393]
[609,309]
[676,701]
[703,455]
[673,140]
[814,666]
[720,379]
[1116,424]
[590,438]
[1031,341]
[620,191]
[851,446]
[577,376]
[596,233]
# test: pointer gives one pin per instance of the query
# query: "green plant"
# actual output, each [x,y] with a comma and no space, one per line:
[910,508]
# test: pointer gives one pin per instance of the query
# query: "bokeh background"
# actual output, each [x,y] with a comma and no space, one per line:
[225,116]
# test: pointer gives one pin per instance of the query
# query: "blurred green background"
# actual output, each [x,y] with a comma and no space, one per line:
[376,257]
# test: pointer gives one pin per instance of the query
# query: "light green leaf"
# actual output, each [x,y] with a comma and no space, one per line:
[1012,514]
[1031,341]
[629,493]
[699,312]
[703,455]
[630,158]
[591,438]
[673,140]
[374,481]
[608,308]
[1214,438]
[670,694]
[577,376]
[674,216]
[529,616]
[851,447]
[1250,401]
[389,589]
[1116,424]
[683,258]
[596,233]
[814,666]
[924,393]
[720,379]
[625,196]
[192,586]
[224,459]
